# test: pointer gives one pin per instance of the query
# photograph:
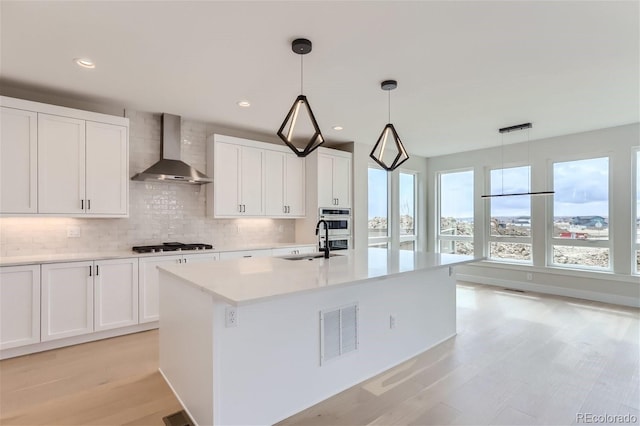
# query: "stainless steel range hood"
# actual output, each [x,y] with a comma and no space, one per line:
[170,168]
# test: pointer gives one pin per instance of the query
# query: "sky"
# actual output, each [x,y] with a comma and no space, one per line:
[378,193]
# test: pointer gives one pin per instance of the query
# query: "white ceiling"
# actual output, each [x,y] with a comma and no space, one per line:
[464,69]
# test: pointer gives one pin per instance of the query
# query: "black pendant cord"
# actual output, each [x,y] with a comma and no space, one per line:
[301,74]
[389,106]
[529,192]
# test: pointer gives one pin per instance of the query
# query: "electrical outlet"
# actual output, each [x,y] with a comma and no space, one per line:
[73,231]
[529,276]
[231,316]
[392,321]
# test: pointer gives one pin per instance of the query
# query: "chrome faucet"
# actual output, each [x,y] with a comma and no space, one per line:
[326,237]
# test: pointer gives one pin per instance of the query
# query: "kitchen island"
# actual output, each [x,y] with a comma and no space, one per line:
[254,341]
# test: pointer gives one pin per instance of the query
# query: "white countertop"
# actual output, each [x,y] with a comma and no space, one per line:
[78,257]
[241,281]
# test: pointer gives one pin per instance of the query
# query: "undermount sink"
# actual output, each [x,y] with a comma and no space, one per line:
[308,256]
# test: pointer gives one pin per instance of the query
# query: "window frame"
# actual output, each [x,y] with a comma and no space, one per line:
[568,242]
[635,216]
[413,237]
[453,238]
[487,218]
[375,241]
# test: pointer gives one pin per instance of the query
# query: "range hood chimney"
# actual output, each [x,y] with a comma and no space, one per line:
[170,168]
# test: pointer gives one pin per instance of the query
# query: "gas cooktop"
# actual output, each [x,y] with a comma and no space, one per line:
[173,246]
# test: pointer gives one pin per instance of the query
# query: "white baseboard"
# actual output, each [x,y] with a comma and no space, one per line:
[75,340]
[549,289]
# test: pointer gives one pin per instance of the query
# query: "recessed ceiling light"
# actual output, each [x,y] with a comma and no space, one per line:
[244,104]
[85,63]
[338,127]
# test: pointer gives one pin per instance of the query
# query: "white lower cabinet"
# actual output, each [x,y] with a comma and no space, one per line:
[116,293]
[19,306]
[245,253]
[294,250]
[150,280]
[67,299]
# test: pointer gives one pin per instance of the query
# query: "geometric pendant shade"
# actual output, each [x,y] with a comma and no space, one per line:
[300,130]
[388,151]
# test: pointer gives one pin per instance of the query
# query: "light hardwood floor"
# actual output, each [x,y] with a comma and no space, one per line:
[518,358]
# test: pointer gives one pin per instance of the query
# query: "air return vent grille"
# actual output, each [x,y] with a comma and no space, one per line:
[338,332]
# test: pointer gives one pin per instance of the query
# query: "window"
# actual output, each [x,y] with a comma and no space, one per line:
[580,232]
[378,208]
[637,218]
[407,204]
[455,204]
[510,217]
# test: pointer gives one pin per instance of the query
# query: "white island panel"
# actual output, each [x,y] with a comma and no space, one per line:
[268,366]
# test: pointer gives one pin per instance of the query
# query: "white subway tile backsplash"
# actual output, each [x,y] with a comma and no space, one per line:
[159,212]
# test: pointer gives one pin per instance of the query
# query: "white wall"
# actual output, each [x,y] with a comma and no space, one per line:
[617,286]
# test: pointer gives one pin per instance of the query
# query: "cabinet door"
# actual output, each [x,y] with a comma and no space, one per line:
[116,293]
[251,181]
[149,283]
[107,172]
[294,185]
[274,177]
[18,161]
[67,299]
[245,253]
[200,257]
[293,250]
[61,164]
[342,181]
[19,306]
[325,181]
[226,180]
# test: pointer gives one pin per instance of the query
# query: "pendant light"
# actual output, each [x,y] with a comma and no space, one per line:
[388,151]
[502,132]
[300,130]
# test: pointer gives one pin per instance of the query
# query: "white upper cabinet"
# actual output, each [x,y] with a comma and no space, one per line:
[63,162]
[238,180]
[284,184]
[334,178]
[18,161]
[107,169]
[254,179]
[251,181]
